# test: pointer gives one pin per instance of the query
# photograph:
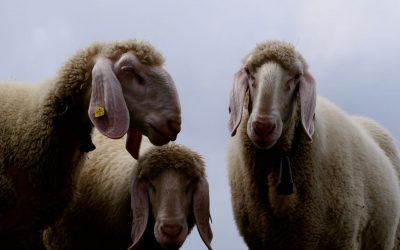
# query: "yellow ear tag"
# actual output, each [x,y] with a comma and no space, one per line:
[99,112]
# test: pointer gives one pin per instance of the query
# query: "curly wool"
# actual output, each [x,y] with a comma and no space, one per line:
[279,52]
[76,68]
[160,158]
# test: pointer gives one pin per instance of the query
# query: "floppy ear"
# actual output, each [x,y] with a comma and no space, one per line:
[107,109]
[140,210]
[307,103]
[133,140]
[201,210]
[238,92]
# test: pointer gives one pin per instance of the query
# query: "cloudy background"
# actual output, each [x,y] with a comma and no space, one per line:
[352,47]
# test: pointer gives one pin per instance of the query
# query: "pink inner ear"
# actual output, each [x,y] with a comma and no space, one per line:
[238,92]
[140,210]
[201,210]
[308,100]
[107,109]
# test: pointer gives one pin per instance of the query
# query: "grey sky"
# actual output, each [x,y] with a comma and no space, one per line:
[352,48]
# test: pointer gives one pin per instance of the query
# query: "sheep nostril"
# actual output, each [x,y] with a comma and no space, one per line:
[261,128]
[174,126]
[171,230]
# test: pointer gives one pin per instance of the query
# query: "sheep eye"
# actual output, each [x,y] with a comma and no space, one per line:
[248,72]
[253,83]
[131,70]
[191,184]
[61,107]
[139,79]
[152,188]
[127,68]
[250,77]
[297,77]
[293,81]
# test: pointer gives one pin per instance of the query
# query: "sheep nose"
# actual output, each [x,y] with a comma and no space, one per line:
[174,126]
[171,229]
[263,128]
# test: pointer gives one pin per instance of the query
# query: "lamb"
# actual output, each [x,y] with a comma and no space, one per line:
[169,195]
[118,87]
[303,173]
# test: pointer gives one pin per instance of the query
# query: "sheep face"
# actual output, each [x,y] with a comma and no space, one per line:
[175,199]
[170,196]
[273,102]
[128,96]
[272,98]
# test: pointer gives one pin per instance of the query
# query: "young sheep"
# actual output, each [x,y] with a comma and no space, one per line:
[45,129]
[304,174]
[169,194]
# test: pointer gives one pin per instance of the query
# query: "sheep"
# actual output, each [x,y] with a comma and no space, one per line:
[168,190]
[118,87]
[303,173]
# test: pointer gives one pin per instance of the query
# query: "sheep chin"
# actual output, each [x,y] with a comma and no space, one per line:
[262,144]
[158,138]
[170,242]
[160,135]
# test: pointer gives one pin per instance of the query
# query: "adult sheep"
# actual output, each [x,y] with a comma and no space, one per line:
[169,195]
[45,129]
[303,173]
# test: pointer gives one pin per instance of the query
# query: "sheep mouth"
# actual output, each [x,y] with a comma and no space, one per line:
[160,136]
[170,235]
[264,141]
[170,243]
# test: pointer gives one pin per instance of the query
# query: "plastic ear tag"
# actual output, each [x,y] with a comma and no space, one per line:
[100,111]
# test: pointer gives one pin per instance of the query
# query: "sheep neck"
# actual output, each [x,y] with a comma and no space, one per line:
[284,157]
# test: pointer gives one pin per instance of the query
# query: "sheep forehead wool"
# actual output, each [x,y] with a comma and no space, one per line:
[170,156]
[76,71]
[279,52]
[144,51]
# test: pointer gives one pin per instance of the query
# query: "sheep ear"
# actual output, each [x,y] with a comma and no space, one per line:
[133,140]
[307,103]
[107,109]
[140,210]
[238,92]
[201,210]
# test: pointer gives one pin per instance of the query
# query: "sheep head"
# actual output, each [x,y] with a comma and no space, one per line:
[276,79]
[128,96]
[174,195]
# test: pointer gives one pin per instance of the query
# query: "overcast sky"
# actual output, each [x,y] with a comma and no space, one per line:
[352,48]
